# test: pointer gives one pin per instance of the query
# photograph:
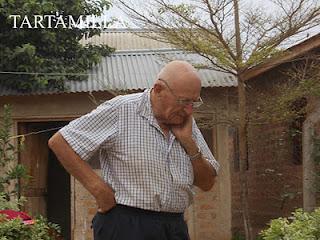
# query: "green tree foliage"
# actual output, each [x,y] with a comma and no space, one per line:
[44,50]
[10,172]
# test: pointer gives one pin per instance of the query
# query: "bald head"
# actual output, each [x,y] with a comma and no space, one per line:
[180,73]
[177,83]
[177,87]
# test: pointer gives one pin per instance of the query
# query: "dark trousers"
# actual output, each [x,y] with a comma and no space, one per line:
[128,223]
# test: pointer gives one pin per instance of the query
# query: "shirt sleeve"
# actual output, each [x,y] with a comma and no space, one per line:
[205,150]
[86,134]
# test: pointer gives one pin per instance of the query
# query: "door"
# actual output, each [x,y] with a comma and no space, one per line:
[48,190]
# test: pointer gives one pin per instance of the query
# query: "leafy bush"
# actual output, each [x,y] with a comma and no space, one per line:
[300,226]
[11,172]
[16,230]
[13,204]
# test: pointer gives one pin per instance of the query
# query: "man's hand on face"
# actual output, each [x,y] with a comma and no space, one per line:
[183,132]
[184,135]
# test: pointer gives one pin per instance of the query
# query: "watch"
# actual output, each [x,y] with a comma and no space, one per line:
[195,156]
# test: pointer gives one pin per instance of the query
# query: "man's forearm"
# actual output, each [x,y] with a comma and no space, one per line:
[82,171]
[204,173]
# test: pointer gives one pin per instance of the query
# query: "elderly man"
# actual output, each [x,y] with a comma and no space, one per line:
[151,154]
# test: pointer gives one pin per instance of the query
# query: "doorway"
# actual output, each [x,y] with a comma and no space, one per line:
[48,192]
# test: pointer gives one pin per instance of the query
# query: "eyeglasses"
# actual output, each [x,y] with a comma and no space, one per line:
[184,102]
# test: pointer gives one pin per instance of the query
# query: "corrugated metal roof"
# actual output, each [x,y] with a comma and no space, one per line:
[133,66]
[126,39]
[134,70]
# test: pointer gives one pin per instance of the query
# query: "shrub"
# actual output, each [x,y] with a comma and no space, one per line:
[11,172]
[300,226]
[15,230]
[13,204]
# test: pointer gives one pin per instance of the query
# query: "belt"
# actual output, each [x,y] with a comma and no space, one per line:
[139,211]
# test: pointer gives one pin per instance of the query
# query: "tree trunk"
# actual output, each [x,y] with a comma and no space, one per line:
[243,155]
[243,141]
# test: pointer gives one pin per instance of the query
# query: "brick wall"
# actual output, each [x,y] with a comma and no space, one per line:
[83,208]
[275,179]
[201,215]
[211,211]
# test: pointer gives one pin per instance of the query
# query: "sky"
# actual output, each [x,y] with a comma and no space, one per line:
[115,12]
[267,6]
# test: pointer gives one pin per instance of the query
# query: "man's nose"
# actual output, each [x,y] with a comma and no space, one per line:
[188,108]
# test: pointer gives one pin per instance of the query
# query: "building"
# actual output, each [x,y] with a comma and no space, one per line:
[133,67]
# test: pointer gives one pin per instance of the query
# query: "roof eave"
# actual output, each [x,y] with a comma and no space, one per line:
[290,54]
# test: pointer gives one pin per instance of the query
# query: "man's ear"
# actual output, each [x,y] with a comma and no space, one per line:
[157,87]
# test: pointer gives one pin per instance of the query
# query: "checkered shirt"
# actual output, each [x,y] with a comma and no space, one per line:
[145,168]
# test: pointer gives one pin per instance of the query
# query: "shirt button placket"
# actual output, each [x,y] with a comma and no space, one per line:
[168,146]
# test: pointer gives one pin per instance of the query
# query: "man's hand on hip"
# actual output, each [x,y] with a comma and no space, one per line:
[105,200]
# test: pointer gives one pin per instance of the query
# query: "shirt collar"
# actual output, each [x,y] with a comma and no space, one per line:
[145,109]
